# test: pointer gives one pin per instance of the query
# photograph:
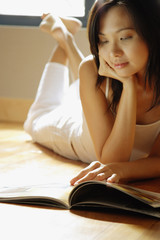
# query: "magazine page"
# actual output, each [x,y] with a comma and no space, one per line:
[148,197]
[38,194]
[103,195]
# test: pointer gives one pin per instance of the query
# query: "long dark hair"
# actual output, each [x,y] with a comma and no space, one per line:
[146,18]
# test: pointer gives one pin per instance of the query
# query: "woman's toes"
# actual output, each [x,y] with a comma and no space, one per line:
[47,23]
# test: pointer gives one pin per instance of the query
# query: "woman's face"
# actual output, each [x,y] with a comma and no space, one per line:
[120,45]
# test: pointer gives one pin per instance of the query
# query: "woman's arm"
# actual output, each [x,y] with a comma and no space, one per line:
[123,171]
[120,172]
[112,138]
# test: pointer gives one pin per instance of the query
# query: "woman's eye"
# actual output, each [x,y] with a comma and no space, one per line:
[125,38]
[103,41]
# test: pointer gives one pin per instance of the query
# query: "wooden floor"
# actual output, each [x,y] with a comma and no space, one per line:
[23,162]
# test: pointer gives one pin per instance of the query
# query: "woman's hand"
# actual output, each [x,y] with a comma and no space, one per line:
[112,172]
[106,71]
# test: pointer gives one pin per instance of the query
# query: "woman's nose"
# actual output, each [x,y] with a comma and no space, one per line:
[115,51]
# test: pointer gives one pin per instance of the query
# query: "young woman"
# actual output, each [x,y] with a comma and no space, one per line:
[119,131]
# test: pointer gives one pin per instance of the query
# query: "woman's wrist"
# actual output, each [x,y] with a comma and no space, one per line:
[130,83]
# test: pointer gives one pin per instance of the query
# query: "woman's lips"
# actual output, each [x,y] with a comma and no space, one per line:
[120,65]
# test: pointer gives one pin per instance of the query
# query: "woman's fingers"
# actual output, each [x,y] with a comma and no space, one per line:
[89,176]
[113,179]
[85,171]
[95,171]
[108,71]
[103,67]
[104,174]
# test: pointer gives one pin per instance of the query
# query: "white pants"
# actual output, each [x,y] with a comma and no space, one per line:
[56,119]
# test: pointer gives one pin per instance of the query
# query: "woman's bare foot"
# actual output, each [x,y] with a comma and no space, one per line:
[59,28]
[72,24]
[62,30]
[55,27]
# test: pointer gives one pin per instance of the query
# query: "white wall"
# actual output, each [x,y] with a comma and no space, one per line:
[24,52]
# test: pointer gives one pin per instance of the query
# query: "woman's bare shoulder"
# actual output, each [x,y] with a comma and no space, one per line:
[88,61]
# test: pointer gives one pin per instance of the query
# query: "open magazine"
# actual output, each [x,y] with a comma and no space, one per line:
[88,194]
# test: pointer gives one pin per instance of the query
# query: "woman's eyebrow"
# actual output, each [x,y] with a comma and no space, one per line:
[124,29]
[119,30]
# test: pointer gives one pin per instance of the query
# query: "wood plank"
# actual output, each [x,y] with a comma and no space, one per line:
[24,162]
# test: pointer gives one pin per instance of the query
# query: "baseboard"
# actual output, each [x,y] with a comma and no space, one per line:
[14,110]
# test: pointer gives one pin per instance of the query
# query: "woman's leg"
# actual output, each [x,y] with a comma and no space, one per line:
[63,30]
[51,120]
